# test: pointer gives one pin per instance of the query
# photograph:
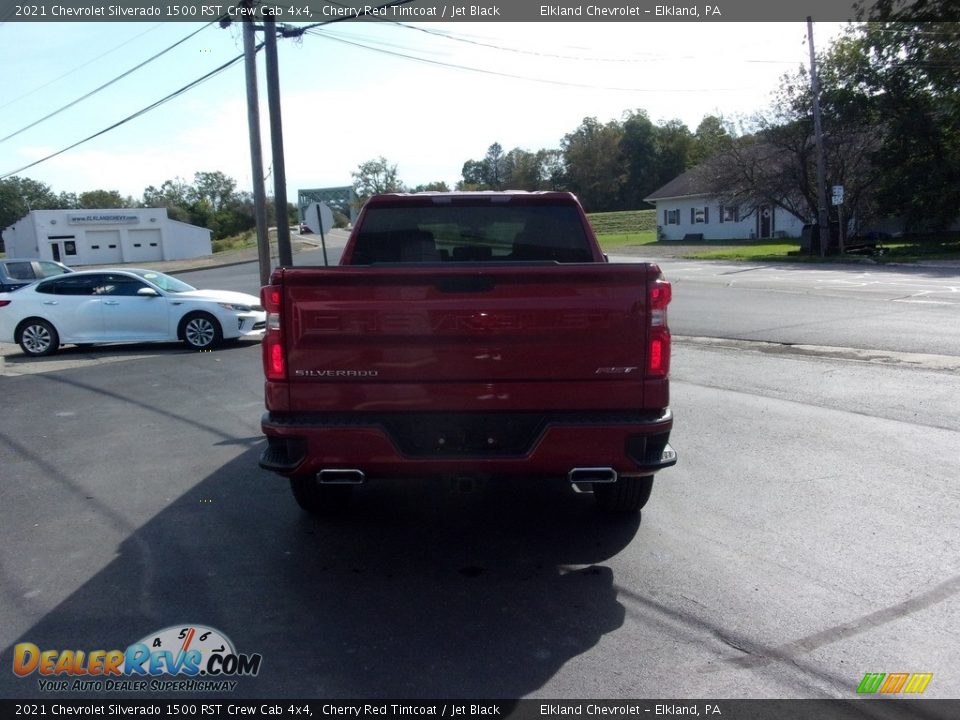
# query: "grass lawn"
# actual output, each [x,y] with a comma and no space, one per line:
[901,250]
[942,247]
[753,250]
[614,241]
[235,242]
[628,221]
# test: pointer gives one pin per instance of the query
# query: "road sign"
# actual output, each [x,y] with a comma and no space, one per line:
[837,195]
[319,217]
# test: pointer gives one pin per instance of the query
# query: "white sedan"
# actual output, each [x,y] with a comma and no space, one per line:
[113,306]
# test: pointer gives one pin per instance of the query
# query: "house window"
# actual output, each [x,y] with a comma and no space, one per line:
[671,217]
[729,214]
[699,216]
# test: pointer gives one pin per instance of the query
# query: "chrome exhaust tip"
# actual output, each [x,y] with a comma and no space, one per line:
[341,476]
[590,475]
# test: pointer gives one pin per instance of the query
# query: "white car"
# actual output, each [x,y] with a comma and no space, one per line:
[124,305]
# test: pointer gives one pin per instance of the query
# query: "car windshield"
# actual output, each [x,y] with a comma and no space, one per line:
[164,282]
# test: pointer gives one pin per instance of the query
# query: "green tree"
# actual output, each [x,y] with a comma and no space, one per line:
[472,176]
[553,172]
[638,146]
[523,170]
[237,218]
[905,67]
[712,137]
[673,143]
[69,201]
[518,169]
[174,195]
[214,188]
[374,177]
[212,202]
[594,164]
[20,195]
[435,186]
[93,199]
[494,168]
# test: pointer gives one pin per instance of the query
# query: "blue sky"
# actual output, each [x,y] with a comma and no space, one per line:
[355,93]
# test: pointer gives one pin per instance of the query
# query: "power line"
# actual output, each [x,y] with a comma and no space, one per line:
[38,88]
[468,40]
[483,71]
[137,114]
[190,86]
[579,58]
[105,85]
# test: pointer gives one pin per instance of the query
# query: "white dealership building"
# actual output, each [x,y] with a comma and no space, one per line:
[105,237]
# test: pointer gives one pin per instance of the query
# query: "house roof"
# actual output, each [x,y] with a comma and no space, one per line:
[688,184]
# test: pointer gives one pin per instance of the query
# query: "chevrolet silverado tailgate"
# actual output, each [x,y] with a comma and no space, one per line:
[497,324]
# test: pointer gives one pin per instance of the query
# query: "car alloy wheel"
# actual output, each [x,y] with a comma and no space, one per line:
[201,332]
[39,338]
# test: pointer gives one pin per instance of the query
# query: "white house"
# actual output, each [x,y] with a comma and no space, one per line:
[105,237]
[685,210]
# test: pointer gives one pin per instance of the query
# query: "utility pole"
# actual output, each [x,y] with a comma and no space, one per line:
[276,142]
[822,217]
[256,150]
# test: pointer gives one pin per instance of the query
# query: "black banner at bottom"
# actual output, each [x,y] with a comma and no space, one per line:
[858,709]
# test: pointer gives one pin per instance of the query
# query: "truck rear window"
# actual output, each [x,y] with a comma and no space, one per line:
[471,233]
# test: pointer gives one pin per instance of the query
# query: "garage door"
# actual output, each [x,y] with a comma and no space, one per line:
[143,246]
[104,247]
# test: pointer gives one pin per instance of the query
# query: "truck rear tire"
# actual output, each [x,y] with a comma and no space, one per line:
[626,495]
[319,499]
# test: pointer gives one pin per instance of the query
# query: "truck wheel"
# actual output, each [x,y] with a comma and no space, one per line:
[319,499]
[37,338]
[626,495]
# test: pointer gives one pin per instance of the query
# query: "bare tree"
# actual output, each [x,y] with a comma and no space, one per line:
[775,163]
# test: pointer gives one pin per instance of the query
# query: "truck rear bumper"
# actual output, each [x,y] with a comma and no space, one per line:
[428,444]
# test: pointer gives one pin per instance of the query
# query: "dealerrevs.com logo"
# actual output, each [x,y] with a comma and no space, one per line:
[186,658]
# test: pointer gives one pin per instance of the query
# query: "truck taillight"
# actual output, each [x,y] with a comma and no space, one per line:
[658,345]
[274,354]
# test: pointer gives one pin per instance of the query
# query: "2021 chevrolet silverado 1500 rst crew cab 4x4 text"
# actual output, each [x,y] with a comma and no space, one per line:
[468,333]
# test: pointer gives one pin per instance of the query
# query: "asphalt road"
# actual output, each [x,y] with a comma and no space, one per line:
[808,535]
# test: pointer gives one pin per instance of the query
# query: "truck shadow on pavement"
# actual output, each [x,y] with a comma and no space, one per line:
[422,590]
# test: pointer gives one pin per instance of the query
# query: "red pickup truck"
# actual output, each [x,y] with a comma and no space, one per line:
[468,334]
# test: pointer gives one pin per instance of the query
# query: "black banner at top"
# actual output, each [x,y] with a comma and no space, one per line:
[324,11]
